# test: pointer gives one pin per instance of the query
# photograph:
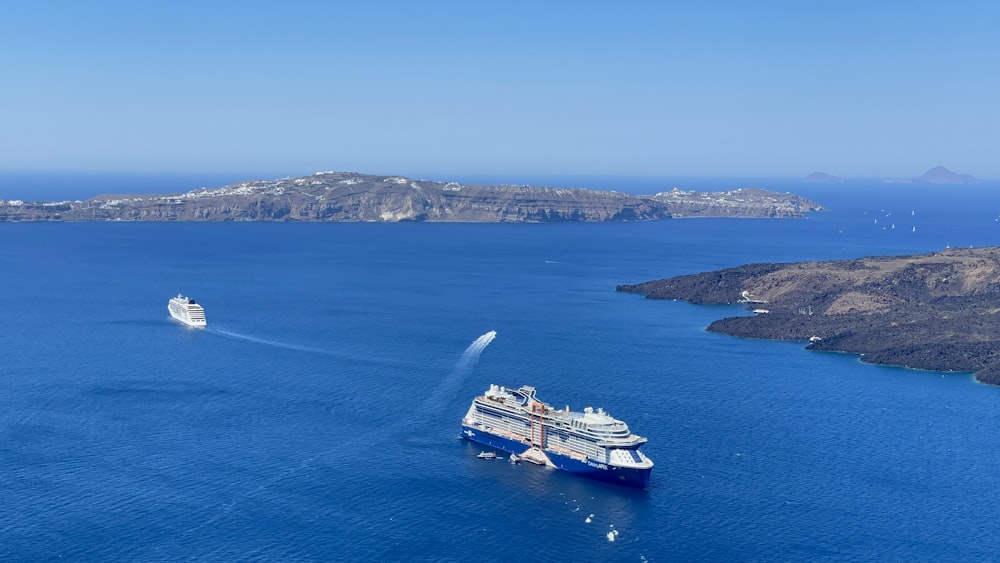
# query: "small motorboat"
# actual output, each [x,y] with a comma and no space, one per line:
[487,455]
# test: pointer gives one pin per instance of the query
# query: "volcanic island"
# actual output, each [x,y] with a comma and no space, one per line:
[351,196]
[938,311]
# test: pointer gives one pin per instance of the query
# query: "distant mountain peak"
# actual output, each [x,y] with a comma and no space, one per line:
[942,175]
[823,177]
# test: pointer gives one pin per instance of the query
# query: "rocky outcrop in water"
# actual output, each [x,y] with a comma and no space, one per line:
[823,178]
[938,311]
[347,196]
[941,175]
[938,175]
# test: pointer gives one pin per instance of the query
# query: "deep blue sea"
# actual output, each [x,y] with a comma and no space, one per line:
[317,418]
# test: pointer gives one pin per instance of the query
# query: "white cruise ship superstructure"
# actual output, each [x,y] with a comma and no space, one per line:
[185,310]
[591,443]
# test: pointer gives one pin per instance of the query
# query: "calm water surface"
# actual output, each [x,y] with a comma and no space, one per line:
[317,417]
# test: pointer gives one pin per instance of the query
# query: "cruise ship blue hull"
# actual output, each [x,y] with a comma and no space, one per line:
[620,475]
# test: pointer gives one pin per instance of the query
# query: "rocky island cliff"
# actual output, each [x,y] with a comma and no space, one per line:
[348,196]
[937,311]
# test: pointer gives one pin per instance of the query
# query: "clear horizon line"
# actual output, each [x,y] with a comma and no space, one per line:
[250,175]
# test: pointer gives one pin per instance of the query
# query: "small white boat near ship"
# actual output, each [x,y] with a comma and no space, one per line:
[187,311]
[487,455]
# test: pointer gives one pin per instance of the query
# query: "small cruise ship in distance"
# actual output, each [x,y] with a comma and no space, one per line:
[185,310]
[590,443]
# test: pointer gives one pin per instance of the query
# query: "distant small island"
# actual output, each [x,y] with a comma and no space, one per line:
[937,175]
[350,196]
[823,178]
[937,311]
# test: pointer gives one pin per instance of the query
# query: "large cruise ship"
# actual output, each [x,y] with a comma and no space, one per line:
[185,310]
[590,443]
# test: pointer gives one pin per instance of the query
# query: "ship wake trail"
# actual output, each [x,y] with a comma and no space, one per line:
[238,336]
[471,355]
[463,367]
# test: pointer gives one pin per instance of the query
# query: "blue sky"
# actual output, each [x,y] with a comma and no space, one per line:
[857,89]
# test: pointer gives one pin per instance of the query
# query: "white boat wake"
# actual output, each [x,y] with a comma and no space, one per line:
[276,344]
[366,359]
[451,384]
[471,355]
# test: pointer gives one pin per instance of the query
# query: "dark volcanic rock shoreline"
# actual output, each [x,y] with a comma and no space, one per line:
[348,196]
[938,311]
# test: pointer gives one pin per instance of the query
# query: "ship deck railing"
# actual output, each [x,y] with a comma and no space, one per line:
[508,434]
[568,453]
[524,440]
[549,446]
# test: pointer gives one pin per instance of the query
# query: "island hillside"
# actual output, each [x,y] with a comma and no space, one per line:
[349,196]
[823,178]
[937,311]
[941,175]
[938,175]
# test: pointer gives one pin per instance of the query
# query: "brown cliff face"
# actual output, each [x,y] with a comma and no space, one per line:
[938,311]
[344,196]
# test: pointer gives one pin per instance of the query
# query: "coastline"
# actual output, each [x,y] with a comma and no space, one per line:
[934,312]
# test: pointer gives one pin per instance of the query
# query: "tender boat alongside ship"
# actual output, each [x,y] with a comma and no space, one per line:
[590,443]
[187,311]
